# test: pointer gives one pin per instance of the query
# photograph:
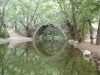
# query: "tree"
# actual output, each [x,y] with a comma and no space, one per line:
[98,34]
[30,14]
[2,13]
[83,15]
[74,19]
[97,9]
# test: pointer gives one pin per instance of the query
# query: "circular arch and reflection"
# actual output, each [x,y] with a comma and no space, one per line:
[40,30]
[38,44]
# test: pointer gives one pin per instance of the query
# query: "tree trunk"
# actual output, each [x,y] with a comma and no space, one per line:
[2,15]
[28,33]
[91,31]
[15,25]
[83,30]
[71,29]
[80,33]
[74,21]
[0,24]
[98,35]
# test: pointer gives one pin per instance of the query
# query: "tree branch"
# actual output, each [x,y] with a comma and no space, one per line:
[23,23]
[12,18]
[3,12]
[61,7]
[77,7]
[34,12]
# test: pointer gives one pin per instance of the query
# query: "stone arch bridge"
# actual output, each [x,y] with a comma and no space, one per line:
[39,31]
[41,28]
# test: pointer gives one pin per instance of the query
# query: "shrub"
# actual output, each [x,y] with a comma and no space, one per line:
[4,33]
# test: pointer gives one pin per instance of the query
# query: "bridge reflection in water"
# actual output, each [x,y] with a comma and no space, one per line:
[26,60]
[49,51]
[49,40]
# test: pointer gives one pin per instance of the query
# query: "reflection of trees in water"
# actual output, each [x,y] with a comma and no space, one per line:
[16,60]
[2,57]
[53,46]
[24,61]
[50,46]
[75,65]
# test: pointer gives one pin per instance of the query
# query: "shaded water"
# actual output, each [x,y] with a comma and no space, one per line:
[42,58]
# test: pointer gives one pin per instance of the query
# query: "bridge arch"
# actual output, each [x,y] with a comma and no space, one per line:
[41,28]
[38,32]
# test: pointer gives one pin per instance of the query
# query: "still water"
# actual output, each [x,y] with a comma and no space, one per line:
[44,58]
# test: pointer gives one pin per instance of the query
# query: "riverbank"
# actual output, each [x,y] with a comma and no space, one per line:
[21,39]
[94,49]
[14,41]
[3,41]
[15,38]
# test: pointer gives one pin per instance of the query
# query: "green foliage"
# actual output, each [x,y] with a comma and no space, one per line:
[31,13]
[4,33]
[86,29]
[52,33]
[24,59]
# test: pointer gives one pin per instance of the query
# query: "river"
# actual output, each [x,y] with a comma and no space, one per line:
[44,58]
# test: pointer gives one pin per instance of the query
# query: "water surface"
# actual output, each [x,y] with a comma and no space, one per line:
[44,58]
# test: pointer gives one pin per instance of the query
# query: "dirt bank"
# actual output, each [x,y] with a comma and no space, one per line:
[2,41]
[94,49]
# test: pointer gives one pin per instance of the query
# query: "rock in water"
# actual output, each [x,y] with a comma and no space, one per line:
[86,53]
